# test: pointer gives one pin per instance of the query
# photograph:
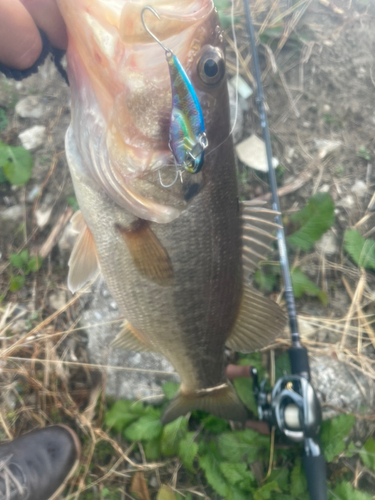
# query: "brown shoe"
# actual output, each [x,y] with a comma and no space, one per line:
[37,465]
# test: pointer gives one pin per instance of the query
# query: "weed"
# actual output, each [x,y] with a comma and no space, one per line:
[364,153]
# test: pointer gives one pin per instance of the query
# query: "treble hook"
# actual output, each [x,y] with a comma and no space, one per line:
[168,52]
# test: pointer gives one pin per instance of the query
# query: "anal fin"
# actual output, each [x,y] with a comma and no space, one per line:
[259,322]
[83,263]
[129,339]
[149,255]
[221,401]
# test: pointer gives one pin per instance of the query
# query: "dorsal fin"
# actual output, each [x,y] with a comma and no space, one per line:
[129,339]
[83,262]
[258,227]
[259,322]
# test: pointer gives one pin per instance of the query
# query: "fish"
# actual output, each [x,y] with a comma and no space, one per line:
[176,248]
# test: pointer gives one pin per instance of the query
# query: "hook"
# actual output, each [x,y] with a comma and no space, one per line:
[151,9]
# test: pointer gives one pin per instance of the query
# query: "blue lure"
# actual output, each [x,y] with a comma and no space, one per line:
[187,136]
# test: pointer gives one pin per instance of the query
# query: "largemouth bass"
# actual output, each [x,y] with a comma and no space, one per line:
[174,247]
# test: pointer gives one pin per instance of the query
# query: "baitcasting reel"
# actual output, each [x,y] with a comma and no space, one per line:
[293,407]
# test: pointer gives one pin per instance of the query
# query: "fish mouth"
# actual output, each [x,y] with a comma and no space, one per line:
[121,93]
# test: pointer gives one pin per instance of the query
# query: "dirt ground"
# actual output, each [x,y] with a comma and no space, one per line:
[318,72]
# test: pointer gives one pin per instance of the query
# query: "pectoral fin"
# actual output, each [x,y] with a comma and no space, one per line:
[83,262]
[130,339]
[149,255]
[259,322]
[258,227]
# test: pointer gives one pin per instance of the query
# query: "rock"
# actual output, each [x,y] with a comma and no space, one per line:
[326,147]
[242,107]
[337,386]
[359,188]
[42,216]
[240,85]
[32,106]
[121,384]
[346,202]
[33,137]
[33,193]
[325,188]
[252,152]
[13,213]
[57,300]
[327,245]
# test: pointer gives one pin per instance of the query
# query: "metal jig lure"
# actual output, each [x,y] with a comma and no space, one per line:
[187,136]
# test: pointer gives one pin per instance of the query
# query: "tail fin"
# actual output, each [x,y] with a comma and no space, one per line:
[222,402]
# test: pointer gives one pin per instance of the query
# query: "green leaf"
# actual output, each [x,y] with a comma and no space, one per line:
[146,428]
[345,491]
[165,493]
[264,492]
[282,496]
[152,449]
[282,365]
[333,434]
[187,450]
[72,201]
[243,445]
[215,425]
[122,414]
[16,260]
[16,282]
[281,476]
[298,481]
[188,496]
[244,389]
[3,120]
[364,153]
[302,284]
[238,474]
[16,163]
[170,389]
[367,453]
[264,280]
[172,435]
[314,220]
[213,474]
[34,264]
[105,492]
[360,250]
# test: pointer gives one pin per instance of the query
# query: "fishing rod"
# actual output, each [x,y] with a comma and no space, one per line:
[292,406]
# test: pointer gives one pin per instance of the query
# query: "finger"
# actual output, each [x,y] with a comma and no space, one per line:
[236,371]
[20,42]
[47,17]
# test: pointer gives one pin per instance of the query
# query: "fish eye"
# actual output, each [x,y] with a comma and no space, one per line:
[211,66]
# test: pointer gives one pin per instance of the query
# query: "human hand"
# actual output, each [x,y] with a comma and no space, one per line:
[20,41]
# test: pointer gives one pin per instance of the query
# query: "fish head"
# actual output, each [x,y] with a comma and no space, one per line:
[122,98]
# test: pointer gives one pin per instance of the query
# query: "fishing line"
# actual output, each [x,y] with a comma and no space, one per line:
[173,182]
[237,76]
